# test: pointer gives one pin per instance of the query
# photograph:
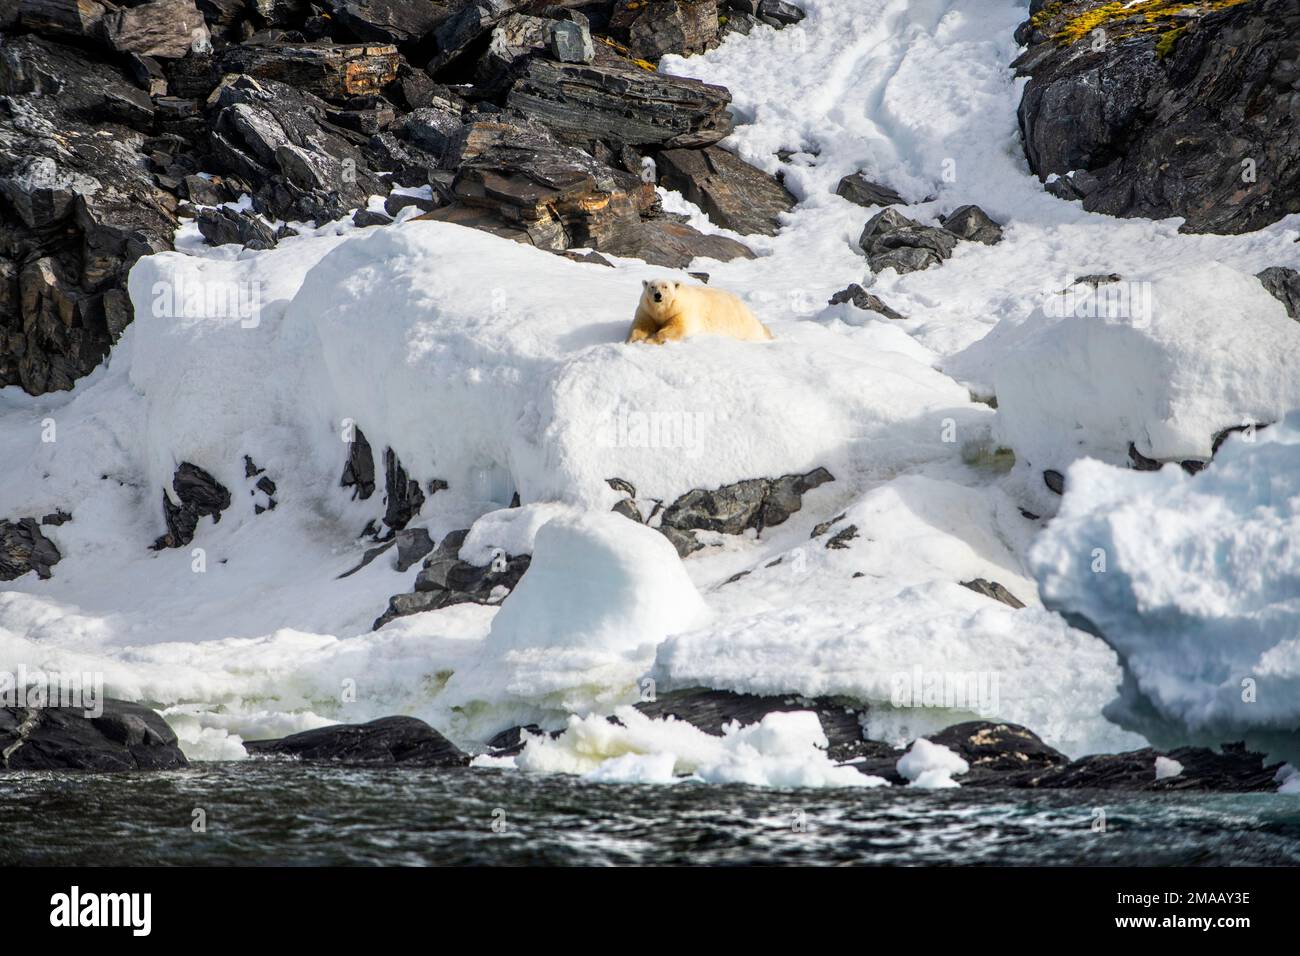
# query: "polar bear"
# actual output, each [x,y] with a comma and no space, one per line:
[669,311]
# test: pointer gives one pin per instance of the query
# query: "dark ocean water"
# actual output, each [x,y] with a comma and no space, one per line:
[277,813]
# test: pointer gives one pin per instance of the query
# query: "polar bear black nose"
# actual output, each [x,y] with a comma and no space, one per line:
[659,296]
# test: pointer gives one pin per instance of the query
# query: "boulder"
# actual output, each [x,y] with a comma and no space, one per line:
[1000,754]
[165,29]
[24,548]
[392,21]
[734,194]
[389,741]
[198,494]
[972,224]
[329,72]
[1185,110]
[359,469]
[125,736]
[82,205]
[860,190]
[74,19]
[1283,284]
[221,225]
[403,498]
[892,241]
[621,105]
[1232,769]
[471,20]
[569,41]
[778,13]
[653,28]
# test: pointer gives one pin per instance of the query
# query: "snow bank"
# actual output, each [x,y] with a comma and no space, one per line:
[1195,581]
[781,750]
[581,626]
[1165,360]
[931,766]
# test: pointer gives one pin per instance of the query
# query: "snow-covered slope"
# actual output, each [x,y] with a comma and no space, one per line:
[500,369]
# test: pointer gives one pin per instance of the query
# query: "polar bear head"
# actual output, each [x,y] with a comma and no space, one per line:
[657,295]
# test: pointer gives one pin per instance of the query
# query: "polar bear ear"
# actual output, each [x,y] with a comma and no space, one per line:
[644,283]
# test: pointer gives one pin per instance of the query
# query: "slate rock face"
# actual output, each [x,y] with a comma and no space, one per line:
[446,580]
[653,28]
[126,736]
[198,495]
[756,503]
[621,105]
[734,194]
[389,741]
[1232,769]
[1183,111]
[24,547]
[972,224]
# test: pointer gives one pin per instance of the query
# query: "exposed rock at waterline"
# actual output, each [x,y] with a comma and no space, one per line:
[24,548]
[125,736]
[389,741]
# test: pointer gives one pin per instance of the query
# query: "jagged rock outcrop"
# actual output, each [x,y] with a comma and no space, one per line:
[652,28]
[756,504]
[198,495]
[80,206]
[1283,284]
[124,736]
[621,105]
[1178,109]
[446,580]
[734,194]
[388,741]
[24,547]
[861,191]
[892,241]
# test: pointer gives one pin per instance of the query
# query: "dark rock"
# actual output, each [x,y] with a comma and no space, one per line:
[973,224]
[891,240]
[391,21]
[359,469]
[1141,462]
[674,245]
[570,42]
[1000,754]
[280,139]
[840,540]
[653,28]
[993,590]
[446,580]
[712,710]
[412,545]
[514,39]
[166,29]
[1054,480]
[1283,284]
[403,497]
[125,736]
[621,105]
[511,741]
[863,299]
[389,741]
[221,225]
[396,202]
[470,21]
[73,19]
[1233,770]
[1184,111]
[24,547]
[736,21]
[858,189]
[81,207]
[778,13]
[756,503]
[197,494]
[56,518]
[364,218]
[557,196]
[330,72]
[734,194]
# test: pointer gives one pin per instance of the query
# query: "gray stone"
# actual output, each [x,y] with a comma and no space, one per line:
[860,190]
[735,195]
